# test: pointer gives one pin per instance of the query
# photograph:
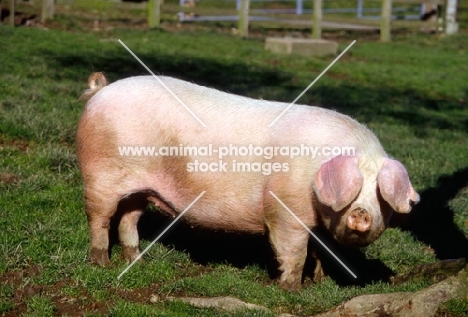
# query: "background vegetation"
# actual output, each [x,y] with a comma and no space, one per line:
[412,93]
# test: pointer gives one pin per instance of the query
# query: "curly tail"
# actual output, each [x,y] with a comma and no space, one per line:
[95,83]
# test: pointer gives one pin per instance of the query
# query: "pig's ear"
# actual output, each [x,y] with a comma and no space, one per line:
[338,182]
[395,186]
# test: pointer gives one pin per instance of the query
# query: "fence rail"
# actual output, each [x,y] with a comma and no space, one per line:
[361,14]
[377,14]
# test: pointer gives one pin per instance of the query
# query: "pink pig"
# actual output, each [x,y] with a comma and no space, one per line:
[352,196]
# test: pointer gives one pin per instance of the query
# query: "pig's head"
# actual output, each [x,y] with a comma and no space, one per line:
[357,198]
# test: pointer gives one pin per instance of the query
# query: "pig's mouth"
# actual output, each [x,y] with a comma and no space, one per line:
[356,239]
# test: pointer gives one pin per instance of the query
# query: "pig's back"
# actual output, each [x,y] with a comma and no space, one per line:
[143,102]
[144,99]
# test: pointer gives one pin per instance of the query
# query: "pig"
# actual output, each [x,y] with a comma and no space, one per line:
[353,196]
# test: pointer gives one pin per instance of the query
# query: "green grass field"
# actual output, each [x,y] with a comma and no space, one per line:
[413,93]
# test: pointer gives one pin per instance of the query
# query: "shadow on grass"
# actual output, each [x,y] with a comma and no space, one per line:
[211,246]
[354,262]
[235,77]
[431,220]
[389,104]
[243,249]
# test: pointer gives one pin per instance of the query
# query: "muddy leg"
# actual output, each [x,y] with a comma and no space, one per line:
[99,229]
[99,212]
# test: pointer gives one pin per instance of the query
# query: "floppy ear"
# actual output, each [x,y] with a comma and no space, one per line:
[395,186]
[338,182]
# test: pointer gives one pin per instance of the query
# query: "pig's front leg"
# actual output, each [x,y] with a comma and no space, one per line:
[289,240]
[319,275]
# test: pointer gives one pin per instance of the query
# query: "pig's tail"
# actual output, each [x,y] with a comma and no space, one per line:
[95,83]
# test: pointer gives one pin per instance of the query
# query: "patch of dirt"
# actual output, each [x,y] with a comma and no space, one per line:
[16,277]
[79,306]
[338,76]
[140,295]
[21,145]
[8,178]
[63,304]
[23,290]
[82,302]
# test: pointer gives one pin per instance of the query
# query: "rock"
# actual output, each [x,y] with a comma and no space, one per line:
[154,298]
[224,302]
[405,304]
[435,272]
[305,47]
[424,302]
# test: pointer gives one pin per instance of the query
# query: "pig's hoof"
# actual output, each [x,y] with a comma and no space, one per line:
[290,285]
[131,253]
[319,276]
[100,257]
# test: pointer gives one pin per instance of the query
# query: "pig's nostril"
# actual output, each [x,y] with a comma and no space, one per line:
[359,220]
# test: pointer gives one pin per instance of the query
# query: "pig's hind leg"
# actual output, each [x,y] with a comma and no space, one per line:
[101,208]
[99,212]
[128,234]
[130,208]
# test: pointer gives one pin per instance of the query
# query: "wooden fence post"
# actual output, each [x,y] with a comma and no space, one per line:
[47,10]
[244,18]
[451,25]
[299,7]
[317,23]
[12,12]
[359,8]
[154,13]
[386,21]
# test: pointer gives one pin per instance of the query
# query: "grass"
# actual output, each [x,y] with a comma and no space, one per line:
[456,307]
[412,93]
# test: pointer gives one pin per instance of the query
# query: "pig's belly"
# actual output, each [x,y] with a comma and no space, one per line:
[223,206]
[224,218]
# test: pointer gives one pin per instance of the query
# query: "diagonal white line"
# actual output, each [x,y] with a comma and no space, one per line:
[160,235]
[311,84]
[167,88]
[310,231]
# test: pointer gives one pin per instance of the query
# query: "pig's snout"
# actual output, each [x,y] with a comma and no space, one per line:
[359,219]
